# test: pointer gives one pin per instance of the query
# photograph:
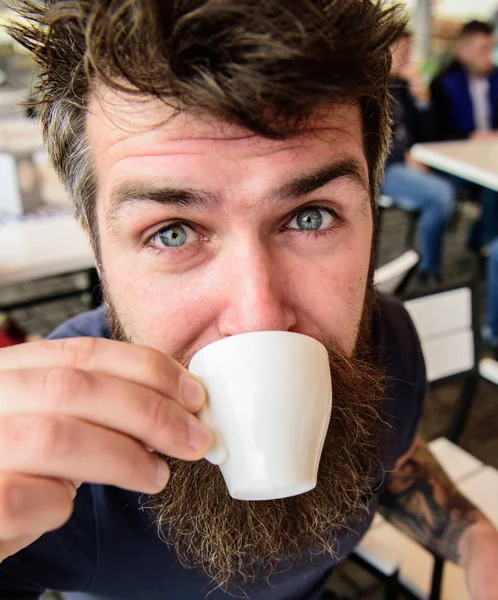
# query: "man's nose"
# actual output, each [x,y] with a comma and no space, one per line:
[258,294]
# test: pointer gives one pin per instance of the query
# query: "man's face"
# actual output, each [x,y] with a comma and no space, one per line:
[476,53]
[208,231]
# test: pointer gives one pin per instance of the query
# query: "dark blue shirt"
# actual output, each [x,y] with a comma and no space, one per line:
[452,103]
[110,550]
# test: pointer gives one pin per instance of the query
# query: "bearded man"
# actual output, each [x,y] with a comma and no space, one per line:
[224,157]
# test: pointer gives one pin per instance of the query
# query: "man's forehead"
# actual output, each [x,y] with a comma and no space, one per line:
[118,122]
[478,40]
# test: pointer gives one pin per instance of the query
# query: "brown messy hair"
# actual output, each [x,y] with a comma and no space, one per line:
[266,65]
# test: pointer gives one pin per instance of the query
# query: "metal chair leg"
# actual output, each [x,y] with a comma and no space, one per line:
[413,218]
[437,578]
[390,583]
[461,413]
[391,587]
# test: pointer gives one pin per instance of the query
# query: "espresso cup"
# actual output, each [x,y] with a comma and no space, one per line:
[269,404]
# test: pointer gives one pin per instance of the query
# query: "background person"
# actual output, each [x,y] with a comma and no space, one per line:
[409,184]
[465,95]
[465,106]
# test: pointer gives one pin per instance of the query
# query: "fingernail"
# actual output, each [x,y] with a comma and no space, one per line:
[192,393]
[162,473]
[199,434]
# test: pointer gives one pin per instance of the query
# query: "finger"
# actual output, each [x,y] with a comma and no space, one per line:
[111,402]
[142,365]
[32,505]
[66,448]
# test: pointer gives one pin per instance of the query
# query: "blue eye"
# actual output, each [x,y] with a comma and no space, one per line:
[311,218]
[175,235]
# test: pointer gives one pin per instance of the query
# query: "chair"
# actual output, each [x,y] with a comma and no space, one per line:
[488,369]
[387,203]
[447,326]
[393,277]
[388,548]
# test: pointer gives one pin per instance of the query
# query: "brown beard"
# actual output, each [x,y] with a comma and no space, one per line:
[238,542]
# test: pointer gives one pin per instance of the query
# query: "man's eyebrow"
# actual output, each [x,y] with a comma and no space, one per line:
[348,167]
[139,192]
[130,193]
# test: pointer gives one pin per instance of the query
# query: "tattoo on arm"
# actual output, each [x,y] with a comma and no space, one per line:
[422,501]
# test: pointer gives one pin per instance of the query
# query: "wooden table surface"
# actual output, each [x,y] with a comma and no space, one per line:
[473,160]
[42,246]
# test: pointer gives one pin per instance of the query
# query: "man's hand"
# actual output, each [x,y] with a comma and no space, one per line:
[484,135]
[478,551]
[415,164]
[86,409]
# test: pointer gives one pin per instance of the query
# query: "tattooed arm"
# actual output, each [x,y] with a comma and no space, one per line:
[422,501]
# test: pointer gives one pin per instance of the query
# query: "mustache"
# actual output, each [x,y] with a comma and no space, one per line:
[237,544]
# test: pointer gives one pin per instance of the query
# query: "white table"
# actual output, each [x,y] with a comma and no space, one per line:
[473,160]
[40,246]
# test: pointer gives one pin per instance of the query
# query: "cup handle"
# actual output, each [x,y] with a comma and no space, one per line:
[218,452]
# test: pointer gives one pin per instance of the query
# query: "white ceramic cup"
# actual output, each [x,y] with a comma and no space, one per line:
[269,404]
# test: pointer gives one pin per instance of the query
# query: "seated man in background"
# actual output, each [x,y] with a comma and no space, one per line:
[410,185]
[465,106]
[465,94]
[225,159]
